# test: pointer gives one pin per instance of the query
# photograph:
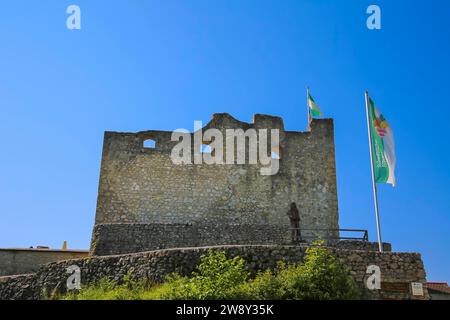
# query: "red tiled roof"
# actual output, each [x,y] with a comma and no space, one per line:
[439,286]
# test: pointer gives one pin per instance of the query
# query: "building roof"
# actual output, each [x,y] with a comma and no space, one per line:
[441,287]
[44,249]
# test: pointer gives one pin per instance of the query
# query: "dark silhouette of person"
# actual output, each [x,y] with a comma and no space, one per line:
[294,218]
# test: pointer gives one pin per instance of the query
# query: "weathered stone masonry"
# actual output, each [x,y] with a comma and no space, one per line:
[155,265]
[120,238]
[141,185]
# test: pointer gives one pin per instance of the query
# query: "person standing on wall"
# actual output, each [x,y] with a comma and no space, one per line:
[294,218]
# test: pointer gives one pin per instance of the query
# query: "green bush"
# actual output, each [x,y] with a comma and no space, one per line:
[265,286]
[216,278]
[320,277]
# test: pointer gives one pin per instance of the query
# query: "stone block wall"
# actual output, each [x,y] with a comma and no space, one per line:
[109,239]
[120,238]
[396,268]
[142,185]
[361,245]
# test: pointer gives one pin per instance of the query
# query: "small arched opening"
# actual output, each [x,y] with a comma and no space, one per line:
[149,144]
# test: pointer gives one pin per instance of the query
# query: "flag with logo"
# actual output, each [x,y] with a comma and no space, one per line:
[313,107]
[383,146]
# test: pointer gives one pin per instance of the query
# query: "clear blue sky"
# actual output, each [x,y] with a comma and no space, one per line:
[138,65]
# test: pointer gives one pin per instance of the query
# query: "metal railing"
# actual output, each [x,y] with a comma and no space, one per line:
[331,234]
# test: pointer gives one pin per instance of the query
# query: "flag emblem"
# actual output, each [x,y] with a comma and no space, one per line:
[381,125]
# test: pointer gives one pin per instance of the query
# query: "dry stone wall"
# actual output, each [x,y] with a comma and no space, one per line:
[397,269]
[120,238]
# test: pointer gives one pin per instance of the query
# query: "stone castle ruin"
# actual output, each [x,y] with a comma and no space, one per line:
[146,202]
[154,216]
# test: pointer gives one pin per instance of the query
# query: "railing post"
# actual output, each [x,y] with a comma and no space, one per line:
[366,235]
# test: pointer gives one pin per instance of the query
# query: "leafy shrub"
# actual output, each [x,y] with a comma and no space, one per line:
[265,286]
[216,278]
[320,277]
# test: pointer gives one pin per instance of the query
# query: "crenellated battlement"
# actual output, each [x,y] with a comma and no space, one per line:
[134,142]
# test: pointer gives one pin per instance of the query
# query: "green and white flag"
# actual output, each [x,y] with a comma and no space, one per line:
[383,146]
[315,111]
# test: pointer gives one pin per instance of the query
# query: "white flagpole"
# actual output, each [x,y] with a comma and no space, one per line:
[374,184]
[307,108]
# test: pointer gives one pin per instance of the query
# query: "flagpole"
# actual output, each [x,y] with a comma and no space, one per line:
[374,184]
[308,109]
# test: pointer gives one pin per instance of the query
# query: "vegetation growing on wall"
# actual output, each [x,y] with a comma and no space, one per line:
[320,277]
